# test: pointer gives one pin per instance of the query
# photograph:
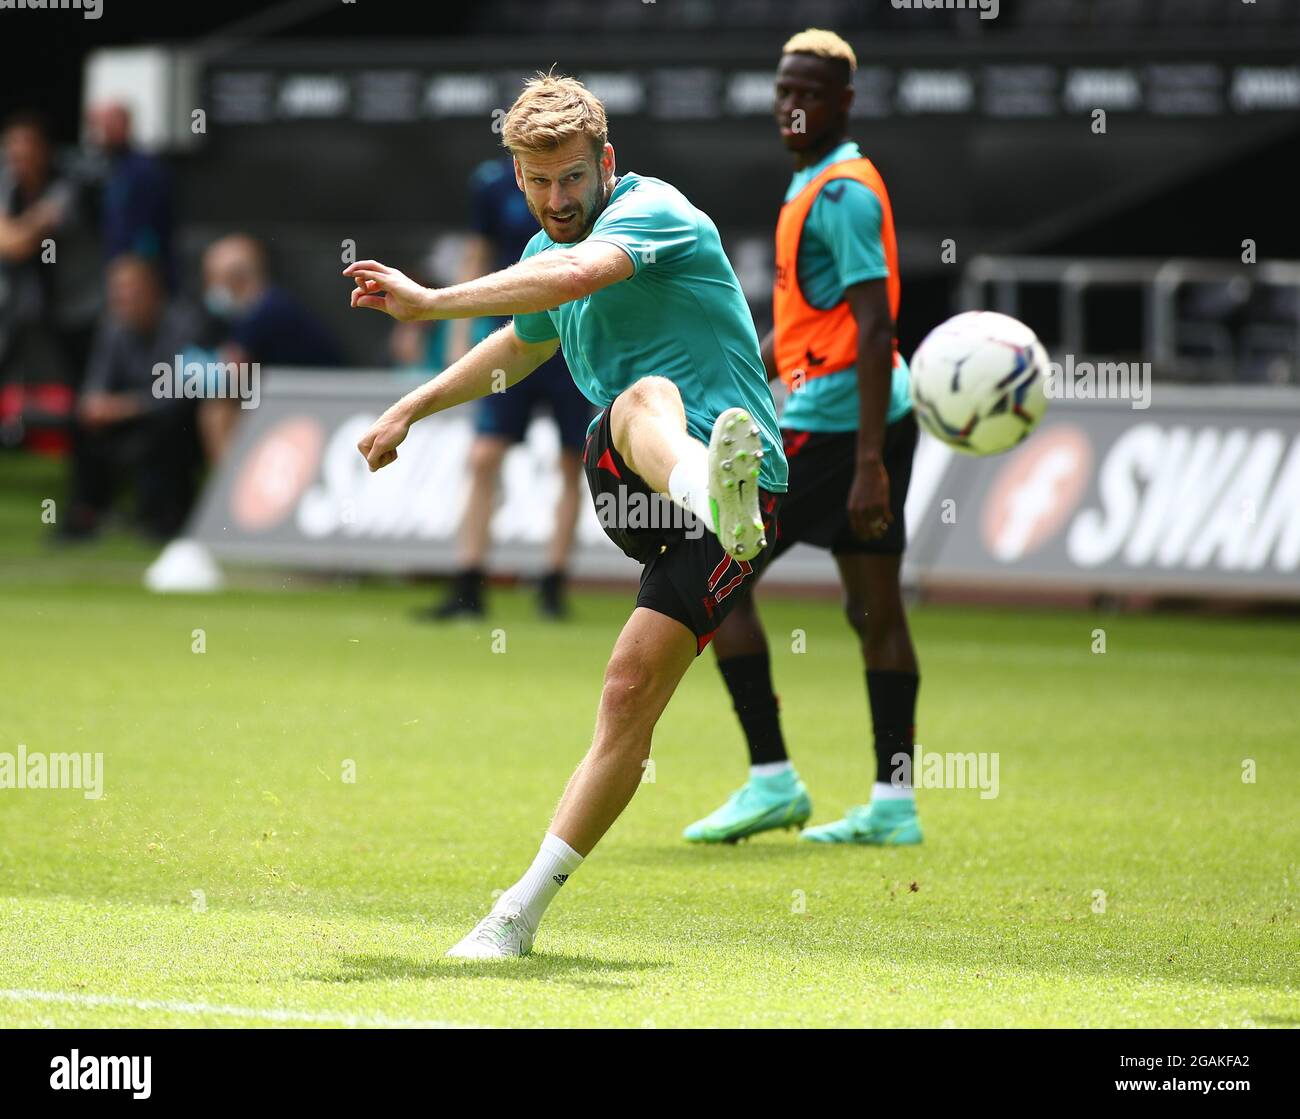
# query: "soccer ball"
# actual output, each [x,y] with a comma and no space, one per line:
[978,382]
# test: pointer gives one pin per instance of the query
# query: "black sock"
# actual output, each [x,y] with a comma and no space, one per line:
[467,587]
[749,680]
[892,696]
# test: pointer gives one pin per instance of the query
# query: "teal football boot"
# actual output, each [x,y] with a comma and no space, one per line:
[761,804]
[883,823]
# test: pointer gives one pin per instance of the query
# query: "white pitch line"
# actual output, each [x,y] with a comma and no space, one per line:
[270,1014]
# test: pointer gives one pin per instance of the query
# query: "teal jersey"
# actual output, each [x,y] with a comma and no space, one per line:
[680,315]
[840,247]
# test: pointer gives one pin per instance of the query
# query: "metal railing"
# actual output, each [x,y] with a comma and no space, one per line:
[1170,337]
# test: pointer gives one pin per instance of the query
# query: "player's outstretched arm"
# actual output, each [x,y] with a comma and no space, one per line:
[539,283]
[499,361]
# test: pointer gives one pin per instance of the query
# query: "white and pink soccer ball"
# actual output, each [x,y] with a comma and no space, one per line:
[979,382]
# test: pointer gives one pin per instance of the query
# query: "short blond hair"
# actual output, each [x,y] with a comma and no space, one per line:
[550,110]
[824,44]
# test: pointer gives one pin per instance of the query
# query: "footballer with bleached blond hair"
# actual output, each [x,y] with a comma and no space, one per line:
[849,436]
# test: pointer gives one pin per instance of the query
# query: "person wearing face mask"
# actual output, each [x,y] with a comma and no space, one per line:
[259,322]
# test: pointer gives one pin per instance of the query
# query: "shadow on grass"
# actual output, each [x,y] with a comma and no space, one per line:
[700,856]
[574,971]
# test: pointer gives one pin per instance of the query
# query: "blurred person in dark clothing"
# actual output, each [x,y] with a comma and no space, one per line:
[501,228]
[138,210]
[126,429]
[50,267]
[261,323]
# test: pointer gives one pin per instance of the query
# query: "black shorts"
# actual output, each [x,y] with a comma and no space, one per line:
[686,574]
[507,415]
[815,509]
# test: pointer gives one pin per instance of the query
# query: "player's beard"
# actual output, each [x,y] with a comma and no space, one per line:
[583,220]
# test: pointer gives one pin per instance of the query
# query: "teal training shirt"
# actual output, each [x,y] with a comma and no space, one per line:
[840,247]
[680,315]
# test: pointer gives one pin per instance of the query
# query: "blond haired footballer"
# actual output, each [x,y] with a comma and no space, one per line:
[630,280]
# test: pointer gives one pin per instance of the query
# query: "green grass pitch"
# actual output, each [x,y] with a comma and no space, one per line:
[231,876]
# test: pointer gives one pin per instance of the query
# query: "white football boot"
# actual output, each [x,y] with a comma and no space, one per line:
[735,454]
[500,935]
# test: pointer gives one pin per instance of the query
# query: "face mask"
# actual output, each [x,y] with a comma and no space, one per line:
[219,301]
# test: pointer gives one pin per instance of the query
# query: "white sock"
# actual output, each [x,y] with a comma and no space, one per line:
[770,769]
[688,486]
[555,861]
[885,790]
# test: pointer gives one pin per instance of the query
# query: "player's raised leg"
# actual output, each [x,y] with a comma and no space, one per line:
[651,655]
[774,796]
[717,483]
[873,606]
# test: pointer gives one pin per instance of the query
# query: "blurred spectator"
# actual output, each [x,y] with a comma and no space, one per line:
[502,226]
[124,429]
[50,267]
[138,214]
[261,323]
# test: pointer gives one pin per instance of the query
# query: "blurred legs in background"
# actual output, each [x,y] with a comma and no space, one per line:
[217,419]
[155,453]
[503,420]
